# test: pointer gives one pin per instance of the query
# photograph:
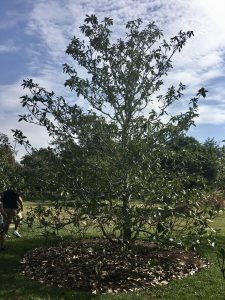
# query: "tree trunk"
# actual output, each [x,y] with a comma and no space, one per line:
[127,232]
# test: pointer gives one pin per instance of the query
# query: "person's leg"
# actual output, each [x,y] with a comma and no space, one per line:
[16,222]
[1,240]
[2,237]
[18,219]
[7,220]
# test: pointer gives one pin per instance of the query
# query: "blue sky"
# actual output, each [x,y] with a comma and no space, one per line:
[34,36]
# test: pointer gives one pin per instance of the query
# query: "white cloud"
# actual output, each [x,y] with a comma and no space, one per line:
[11,17]
[201,62]
[10,109]
[9,96]
[8,46]
[211,115]
[56,21]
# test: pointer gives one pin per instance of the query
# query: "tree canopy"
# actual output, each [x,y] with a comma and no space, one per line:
[114,156]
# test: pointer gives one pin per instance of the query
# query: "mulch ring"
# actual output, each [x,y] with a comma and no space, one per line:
[99,267]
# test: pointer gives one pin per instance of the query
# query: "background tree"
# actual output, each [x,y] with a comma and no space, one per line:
[115,155]
[221,169]
[39,173]
[212,154]
[197,159]
[9,168]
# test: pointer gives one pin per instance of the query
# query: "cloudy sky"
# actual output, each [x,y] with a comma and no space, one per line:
[34,36]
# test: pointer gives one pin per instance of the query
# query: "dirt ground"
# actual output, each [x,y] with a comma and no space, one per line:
[101,267]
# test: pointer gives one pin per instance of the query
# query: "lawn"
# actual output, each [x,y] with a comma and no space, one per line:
[207,284]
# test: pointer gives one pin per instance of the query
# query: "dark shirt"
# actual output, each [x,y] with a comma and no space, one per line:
[10,199]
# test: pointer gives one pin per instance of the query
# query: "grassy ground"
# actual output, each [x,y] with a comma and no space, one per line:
[208,284]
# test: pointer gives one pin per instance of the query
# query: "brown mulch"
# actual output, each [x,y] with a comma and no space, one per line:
[99,267]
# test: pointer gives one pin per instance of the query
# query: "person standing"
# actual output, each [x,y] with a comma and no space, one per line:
[2,231]
[12,204]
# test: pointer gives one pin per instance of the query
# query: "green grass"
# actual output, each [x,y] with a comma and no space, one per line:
[207,284]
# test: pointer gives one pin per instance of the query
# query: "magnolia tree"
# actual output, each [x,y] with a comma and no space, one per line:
[114,153]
